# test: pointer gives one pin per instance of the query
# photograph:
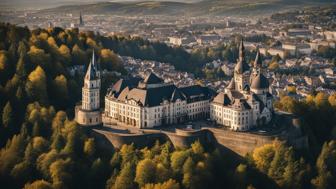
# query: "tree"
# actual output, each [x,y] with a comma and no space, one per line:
[20,68]
[89,147]
[39,184]
[332,100]
[4,64]
[321,99]
[60,88]
[125,178]
[170,184]
[60,173]
[110,60]
[128,154]
[12,153]
[65,54]
[326,167]
[145,172]
[78,56]
[177,160]
[188,173]
[36,87]
[263,157]
[38,57]
[7,115]
[45,160]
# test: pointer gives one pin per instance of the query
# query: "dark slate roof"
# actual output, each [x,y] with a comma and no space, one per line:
[259,82]
[177,95]
[235,95]
[153,79]
[91,72]
[197,92]
[148,97]
[123,83]
[241,104]
[222,99]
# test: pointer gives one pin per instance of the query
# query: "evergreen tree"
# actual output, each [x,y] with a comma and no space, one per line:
[7,115]
[125,178]
[145,172]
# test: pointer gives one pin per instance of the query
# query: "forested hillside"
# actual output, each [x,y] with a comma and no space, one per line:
[42,147]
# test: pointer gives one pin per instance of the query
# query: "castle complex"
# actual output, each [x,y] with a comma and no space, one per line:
[150,102]
[246,101]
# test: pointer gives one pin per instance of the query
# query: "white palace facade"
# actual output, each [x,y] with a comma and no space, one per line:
[246,101]
[151,102]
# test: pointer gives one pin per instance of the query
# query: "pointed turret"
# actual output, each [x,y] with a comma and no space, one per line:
[258,61]
[95,64]
[91,72]
[241,66]
[241,50]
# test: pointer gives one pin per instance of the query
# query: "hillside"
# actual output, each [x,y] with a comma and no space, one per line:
[206,7]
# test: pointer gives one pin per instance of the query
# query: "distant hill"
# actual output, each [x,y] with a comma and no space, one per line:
[205,7]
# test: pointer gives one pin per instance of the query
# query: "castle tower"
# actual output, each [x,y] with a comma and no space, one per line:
[91,88]
[88,114]
[241,70]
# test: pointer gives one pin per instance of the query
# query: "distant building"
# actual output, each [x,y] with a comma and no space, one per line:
[208,39]
[246,101]
[181,41]
[330,35]
[277,51]
[228,69]
[294,49]
[297,33]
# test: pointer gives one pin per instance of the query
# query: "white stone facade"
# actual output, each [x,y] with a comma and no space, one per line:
[246,102]
[153,103]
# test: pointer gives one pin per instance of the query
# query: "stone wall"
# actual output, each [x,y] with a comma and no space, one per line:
[240,143]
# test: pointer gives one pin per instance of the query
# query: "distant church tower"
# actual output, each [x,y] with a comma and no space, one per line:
[81,22]
[88,114]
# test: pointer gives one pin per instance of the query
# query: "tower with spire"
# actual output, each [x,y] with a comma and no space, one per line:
[89,112]
[241,70]
[81,22]
[246,101]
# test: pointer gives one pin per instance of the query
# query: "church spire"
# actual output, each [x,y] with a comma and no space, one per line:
[81,22]
[241,65]
[241,50]
[258,61]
